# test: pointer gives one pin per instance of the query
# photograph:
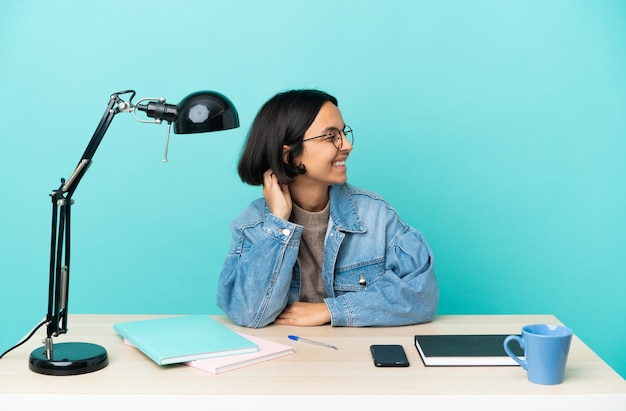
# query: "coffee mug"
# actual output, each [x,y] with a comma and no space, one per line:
[546,347]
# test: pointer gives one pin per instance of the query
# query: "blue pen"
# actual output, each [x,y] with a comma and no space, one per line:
[306,340]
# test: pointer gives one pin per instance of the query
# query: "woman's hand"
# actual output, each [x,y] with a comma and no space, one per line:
[277,196]
[304,314]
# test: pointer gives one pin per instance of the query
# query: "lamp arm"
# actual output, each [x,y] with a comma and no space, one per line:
[115,106]
[58,289]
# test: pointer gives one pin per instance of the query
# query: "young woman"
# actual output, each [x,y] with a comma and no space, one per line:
[315,250]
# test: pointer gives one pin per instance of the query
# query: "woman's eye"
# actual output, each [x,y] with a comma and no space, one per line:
[333,135]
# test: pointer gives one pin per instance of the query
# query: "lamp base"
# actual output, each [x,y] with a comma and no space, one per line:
[69,358]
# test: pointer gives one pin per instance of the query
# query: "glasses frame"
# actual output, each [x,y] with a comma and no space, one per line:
[347,130]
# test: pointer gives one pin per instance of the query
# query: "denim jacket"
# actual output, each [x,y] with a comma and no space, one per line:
[365,240]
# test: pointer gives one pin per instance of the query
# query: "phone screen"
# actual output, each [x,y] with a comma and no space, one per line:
[389,355]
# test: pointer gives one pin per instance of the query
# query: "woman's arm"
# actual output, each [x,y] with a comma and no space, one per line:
[254,284]
[253,287]
[406,293]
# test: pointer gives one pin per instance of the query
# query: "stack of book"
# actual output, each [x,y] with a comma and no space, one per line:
[198,341]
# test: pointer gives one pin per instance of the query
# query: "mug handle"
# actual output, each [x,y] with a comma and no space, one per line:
[510,353]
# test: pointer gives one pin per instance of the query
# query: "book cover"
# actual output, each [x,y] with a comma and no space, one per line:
[180,339]
[465,350]
[268,350]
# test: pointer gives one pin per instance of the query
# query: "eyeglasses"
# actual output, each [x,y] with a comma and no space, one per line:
[336,136]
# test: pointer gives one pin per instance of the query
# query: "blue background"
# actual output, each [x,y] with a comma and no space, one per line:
[495,127]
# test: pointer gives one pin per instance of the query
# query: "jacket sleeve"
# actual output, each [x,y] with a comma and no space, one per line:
[406,293]
[253,287]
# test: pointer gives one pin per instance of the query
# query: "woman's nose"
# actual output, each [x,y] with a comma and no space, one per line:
[346,145]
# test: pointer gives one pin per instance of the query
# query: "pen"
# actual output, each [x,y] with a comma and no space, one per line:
[306,340]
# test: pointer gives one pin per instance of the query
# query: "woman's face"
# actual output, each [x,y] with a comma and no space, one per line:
[325,164]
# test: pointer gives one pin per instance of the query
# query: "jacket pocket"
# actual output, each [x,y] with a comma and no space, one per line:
[359,276]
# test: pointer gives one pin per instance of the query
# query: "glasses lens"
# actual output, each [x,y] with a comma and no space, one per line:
[347,133]
[339,135]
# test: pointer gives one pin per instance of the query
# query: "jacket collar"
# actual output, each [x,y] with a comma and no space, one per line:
[343,211]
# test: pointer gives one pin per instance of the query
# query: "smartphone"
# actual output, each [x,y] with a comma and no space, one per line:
[389,355]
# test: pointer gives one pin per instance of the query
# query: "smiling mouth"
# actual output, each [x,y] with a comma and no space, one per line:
[339,163]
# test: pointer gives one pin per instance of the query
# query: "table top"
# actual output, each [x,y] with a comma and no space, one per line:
[314,371]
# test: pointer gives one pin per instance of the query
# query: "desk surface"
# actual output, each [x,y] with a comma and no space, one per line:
[313,373]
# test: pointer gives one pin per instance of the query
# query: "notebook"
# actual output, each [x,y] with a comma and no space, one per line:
[268,350]
[186,338]
[465,350]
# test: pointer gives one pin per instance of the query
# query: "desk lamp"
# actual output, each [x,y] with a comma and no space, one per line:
[199,112]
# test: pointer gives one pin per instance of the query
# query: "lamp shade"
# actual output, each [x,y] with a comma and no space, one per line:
[205,111]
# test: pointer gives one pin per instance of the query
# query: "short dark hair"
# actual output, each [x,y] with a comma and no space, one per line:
[282,120]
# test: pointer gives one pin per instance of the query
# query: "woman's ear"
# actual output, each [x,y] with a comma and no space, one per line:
[286,149]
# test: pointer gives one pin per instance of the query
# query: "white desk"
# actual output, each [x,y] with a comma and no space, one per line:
[313,378]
